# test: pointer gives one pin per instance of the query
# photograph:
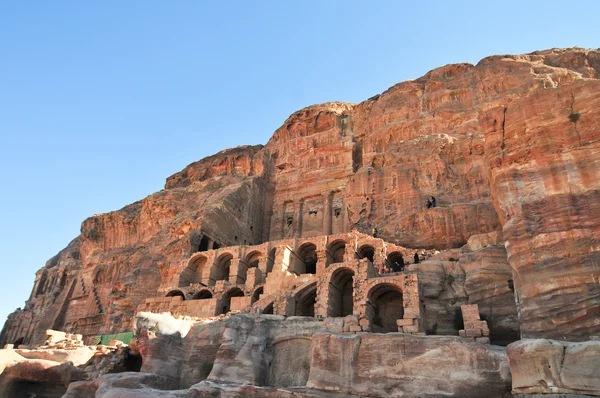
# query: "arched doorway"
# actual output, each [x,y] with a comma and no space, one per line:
[226,300]
[384,307]
[395,261]
[340,295]
[305,300]
[256,295]
[271,260]
[220,271]
[202,294]
[366,251]
[193,272]
[18,342]
[268,309]
[335,252]
[174,293]
[305,260]
[253,259]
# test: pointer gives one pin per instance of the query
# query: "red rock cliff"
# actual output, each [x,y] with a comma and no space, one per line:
[511,144]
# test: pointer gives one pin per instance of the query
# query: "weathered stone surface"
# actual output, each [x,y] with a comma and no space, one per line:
[545,178]
[403,365]
[548,366]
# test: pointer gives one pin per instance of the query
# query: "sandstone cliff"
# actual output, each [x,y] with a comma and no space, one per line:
[509,144]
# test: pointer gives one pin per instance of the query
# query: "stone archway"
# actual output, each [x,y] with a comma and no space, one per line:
[305,259]
[220,271]
[252,259]
[193,272]
[226,299]
[384,307]
[335,252]
[174,293]
[395,261]
[202,295]
[305,298]
[340,298]
[271,260]
[256,295]
[366,251]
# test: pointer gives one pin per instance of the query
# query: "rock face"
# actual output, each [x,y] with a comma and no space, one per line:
[547,366]
[509,145]
[273,356]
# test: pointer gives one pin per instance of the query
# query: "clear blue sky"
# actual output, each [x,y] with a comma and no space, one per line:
[101,101]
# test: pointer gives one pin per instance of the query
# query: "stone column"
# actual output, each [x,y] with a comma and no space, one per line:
[298,218]
[321,262]
[327,220]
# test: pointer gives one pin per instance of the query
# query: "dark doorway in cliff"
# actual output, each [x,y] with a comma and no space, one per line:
[366,251]
[174,293]
[256,295]
[202,294]
[30,389]
[305,260]
[395,262]
[132,361]
[384,307]
[203,244]
[335,252]
[226,300]
[18,342]
[305,301]
[340,293]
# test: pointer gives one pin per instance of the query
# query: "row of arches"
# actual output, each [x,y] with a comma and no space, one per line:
[225,299]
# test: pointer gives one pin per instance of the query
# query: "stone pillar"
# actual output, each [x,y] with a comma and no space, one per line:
[327,220]
[211,244]
[262,264]
[321,262]
[237,272]
[298,218]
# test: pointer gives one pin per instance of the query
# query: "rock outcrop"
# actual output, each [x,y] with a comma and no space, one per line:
[541,366]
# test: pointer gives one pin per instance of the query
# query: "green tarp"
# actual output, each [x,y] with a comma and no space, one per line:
[125,337]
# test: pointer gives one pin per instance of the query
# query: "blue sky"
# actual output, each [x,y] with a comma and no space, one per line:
[101,101]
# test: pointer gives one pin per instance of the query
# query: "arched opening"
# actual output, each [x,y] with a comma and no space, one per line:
[268,309]
[202,294]
[203,246]
[271,260]
[132,361]
[384,307]
[366,251]
[305,301]
[335,252]
[18,342]
[256,295]
[305,260]
[253,259]
[340,295]
[395,261]
[221,268]
[174,293]
[193,272]
[226,301]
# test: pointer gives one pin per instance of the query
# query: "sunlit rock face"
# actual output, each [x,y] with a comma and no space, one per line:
[510,144]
